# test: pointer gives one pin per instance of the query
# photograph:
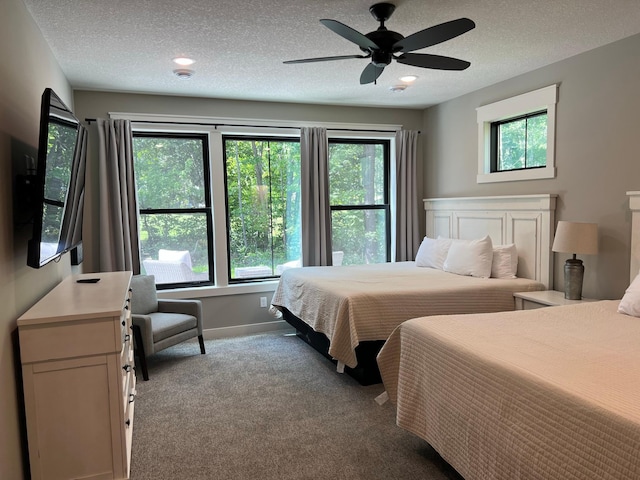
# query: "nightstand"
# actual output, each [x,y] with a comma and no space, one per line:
[543,298]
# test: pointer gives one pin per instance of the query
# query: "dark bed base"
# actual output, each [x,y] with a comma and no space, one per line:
[366,371]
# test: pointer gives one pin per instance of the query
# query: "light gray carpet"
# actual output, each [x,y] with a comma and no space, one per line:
[267,407]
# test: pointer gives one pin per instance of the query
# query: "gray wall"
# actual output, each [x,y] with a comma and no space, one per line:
[27,67]
[596,152]
[221,311]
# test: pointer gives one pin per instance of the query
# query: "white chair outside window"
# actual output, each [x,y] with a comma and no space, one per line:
[173,266]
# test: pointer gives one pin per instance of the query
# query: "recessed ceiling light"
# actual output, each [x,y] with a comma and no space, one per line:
[398,88]
[184,73]
[184,61]
[408,78]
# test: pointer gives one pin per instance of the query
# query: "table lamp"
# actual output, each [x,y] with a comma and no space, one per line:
[575,238]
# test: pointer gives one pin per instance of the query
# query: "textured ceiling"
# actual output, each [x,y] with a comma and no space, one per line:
[239,46]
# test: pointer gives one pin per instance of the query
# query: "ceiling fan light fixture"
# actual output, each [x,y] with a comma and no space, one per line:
[183,73]
[398,88]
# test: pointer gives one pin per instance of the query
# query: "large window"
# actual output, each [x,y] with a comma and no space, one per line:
[231,194]
[263,205]
[359,197]
[174,202]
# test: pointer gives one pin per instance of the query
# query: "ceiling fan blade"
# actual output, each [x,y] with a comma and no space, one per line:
[350,34]
[326,59]
[370,74]
[437,62]
[434,35]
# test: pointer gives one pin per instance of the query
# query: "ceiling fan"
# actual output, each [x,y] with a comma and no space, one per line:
[382,45]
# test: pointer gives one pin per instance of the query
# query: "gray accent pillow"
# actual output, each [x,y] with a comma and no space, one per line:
[144,299]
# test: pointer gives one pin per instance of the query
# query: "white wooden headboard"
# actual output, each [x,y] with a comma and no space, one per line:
[634,261]
[526,220]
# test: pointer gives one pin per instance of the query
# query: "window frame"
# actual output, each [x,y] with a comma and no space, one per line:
[386,206]
[245,137]
[537,101]
[207,209]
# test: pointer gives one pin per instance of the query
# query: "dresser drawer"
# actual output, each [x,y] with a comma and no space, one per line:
[65,340]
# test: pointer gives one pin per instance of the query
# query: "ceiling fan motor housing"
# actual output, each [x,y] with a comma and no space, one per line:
[385,40]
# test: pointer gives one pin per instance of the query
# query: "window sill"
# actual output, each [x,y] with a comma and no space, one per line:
[213,291]
[533,174]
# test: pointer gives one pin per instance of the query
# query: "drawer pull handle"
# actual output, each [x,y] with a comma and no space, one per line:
[132,397]
[127,368]
[126,307]
[128,422]
[123,323]
[127,337]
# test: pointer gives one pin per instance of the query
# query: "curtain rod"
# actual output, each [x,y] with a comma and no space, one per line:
[216,125]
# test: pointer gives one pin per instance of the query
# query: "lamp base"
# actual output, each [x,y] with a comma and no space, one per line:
[573,275]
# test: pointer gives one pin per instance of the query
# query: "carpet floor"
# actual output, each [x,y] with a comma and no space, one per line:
[267,407]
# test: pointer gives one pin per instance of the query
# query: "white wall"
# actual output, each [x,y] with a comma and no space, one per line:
[596,152]
[27,67]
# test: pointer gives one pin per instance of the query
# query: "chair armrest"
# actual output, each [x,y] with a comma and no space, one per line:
[146,332]
[188,307]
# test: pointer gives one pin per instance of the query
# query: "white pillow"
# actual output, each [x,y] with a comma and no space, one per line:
[630,303]
[470,257]
[433,252]
[505,261]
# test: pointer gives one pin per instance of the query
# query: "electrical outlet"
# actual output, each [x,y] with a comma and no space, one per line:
[263,302]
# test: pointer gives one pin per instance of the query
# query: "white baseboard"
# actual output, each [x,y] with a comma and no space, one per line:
[250,329]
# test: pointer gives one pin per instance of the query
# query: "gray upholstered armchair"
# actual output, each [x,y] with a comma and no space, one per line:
[158,324]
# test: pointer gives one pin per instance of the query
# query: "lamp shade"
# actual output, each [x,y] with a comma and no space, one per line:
[576,237]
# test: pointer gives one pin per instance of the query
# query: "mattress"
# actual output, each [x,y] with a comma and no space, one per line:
[550,393]
[358,303]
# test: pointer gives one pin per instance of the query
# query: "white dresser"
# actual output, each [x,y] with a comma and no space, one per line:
[76,348]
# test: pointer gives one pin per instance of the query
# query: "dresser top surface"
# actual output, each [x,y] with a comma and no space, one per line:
[70,300]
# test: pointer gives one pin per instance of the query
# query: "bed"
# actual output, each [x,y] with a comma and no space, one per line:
[348,312]
[547,393]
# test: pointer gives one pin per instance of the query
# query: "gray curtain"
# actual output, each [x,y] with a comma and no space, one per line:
[316,214]
[72,216]
[118,207]
[407,225]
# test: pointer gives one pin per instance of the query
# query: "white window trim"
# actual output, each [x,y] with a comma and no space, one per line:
[215,128]
[542,99]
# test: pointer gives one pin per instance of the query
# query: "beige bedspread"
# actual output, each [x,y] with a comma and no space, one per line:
[359,303]
[552,393]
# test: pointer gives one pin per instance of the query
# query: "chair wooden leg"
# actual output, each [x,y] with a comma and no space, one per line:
[139,350]
[201,340]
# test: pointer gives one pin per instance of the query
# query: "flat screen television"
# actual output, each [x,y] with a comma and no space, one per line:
[59,183]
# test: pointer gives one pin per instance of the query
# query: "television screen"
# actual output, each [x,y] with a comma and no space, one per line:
[60,174]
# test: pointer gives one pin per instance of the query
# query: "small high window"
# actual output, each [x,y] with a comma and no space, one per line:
[519,143]
[516,137]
